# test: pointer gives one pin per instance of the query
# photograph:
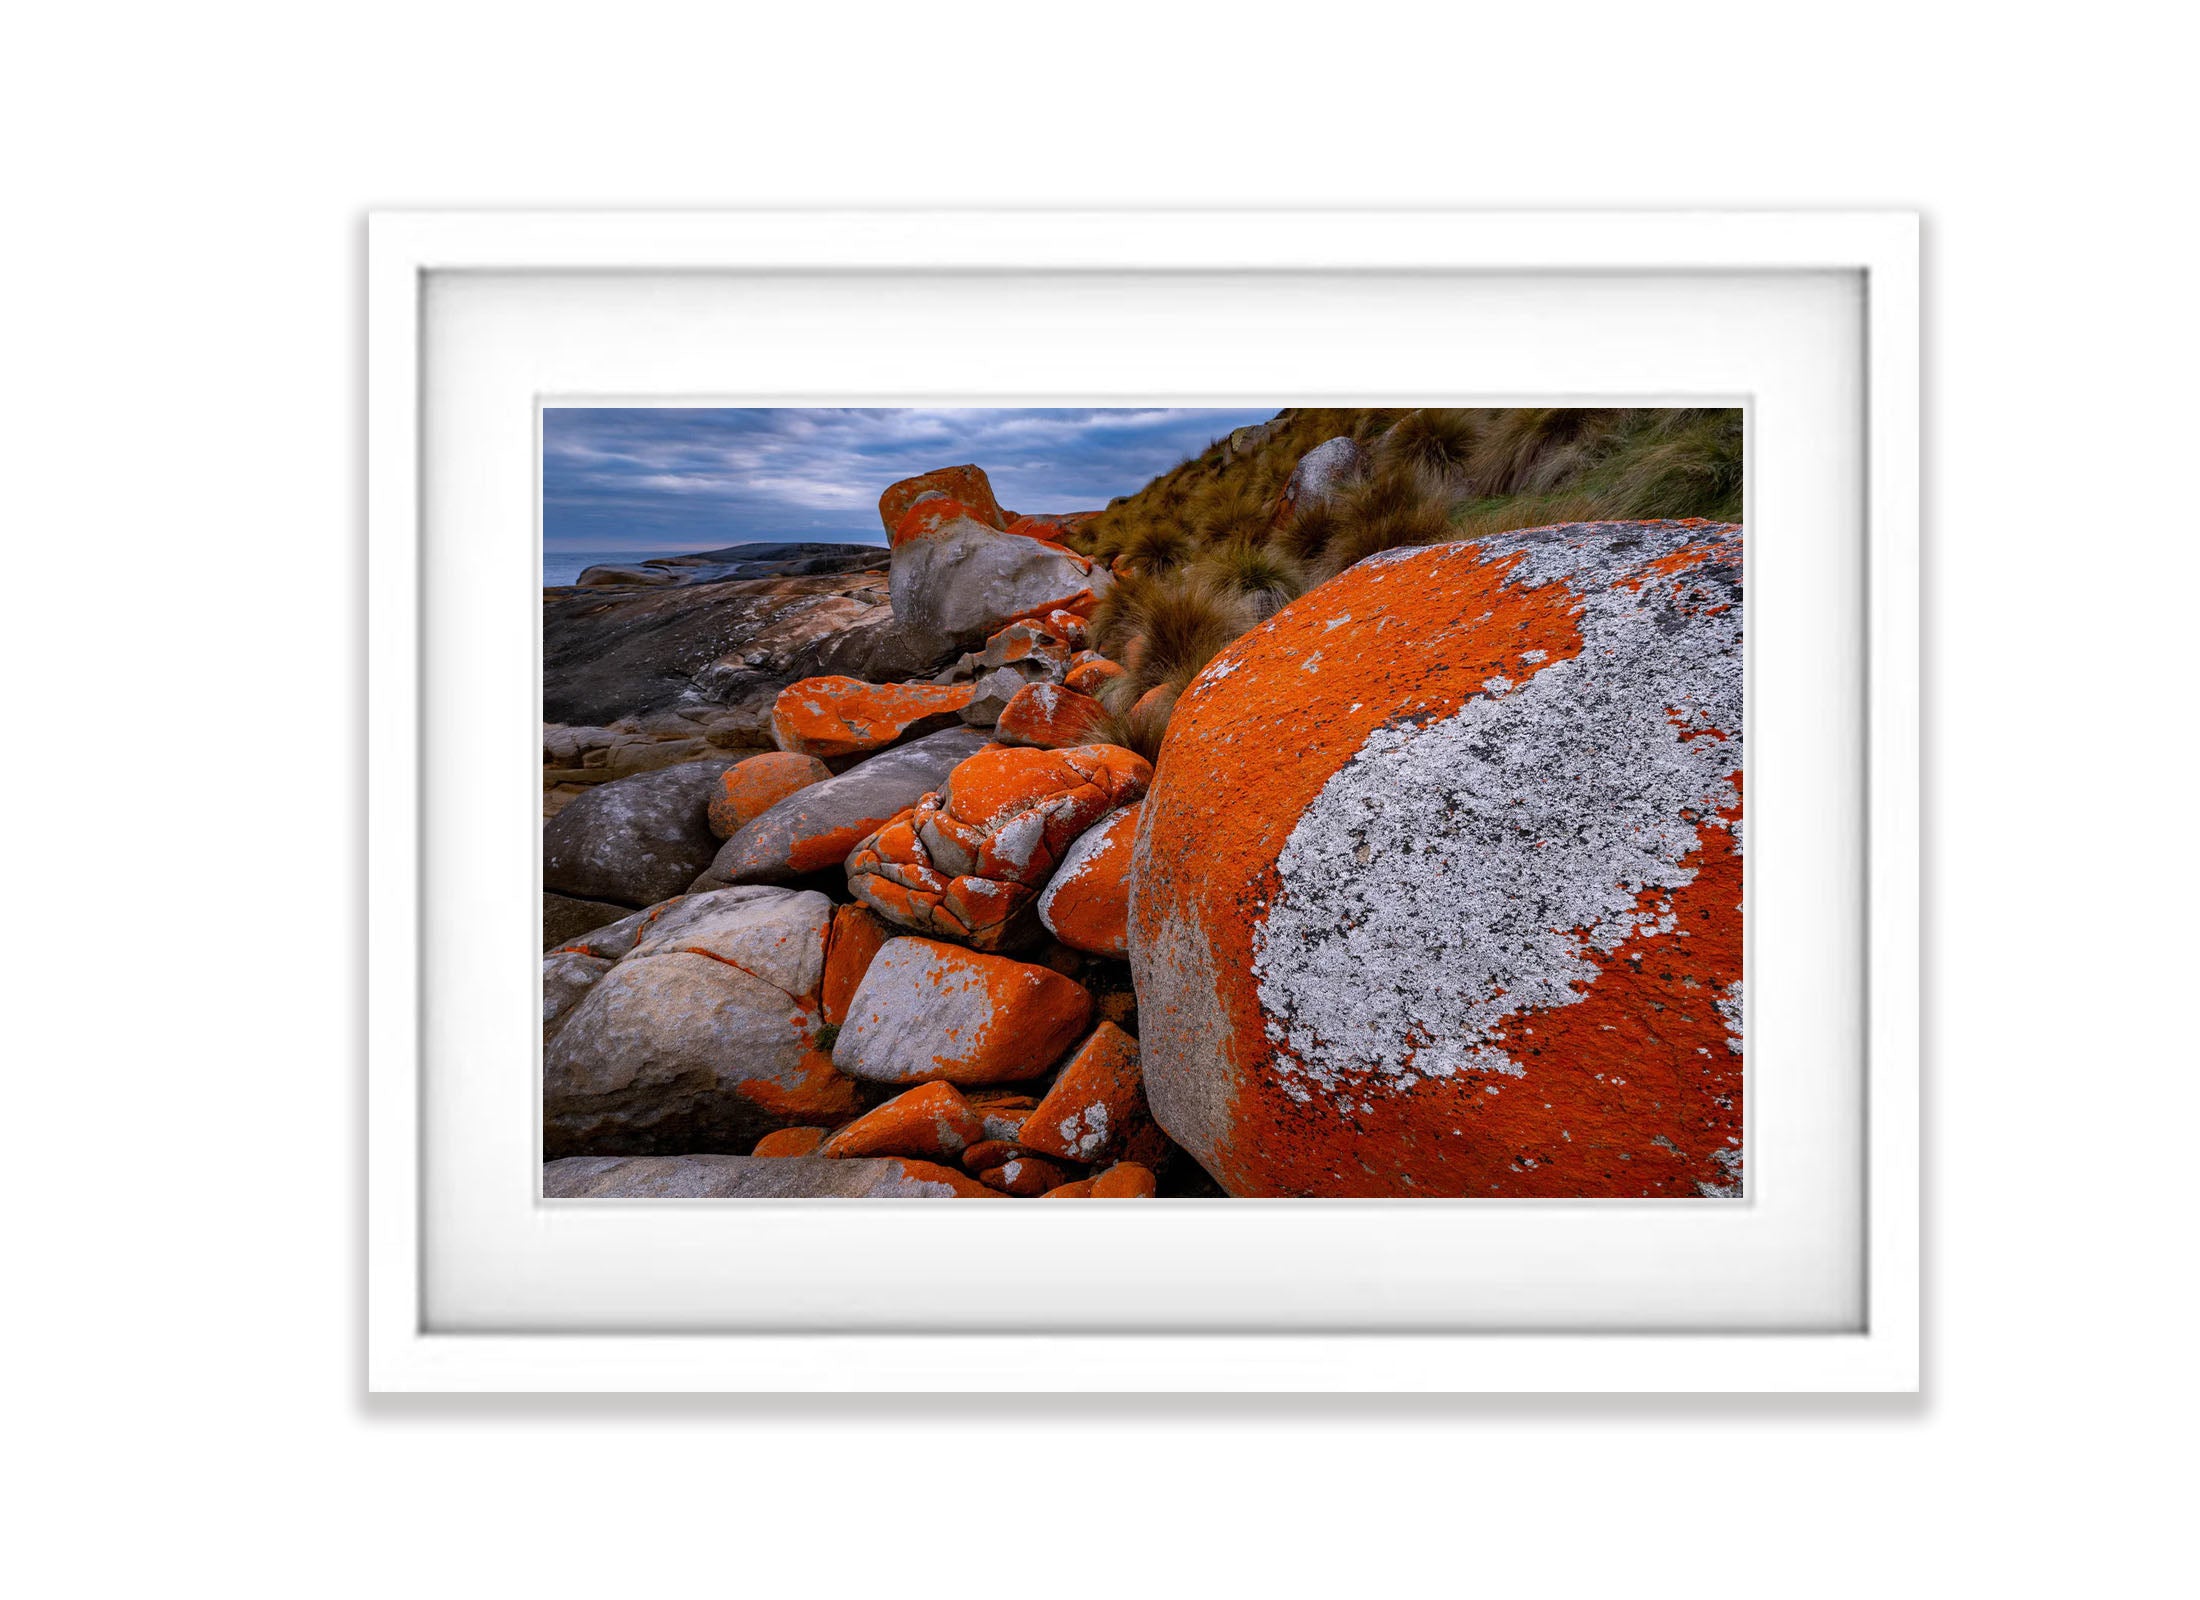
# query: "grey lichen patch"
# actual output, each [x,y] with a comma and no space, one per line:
[1457,874]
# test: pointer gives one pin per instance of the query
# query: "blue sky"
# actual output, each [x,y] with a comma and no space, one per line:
[655,481]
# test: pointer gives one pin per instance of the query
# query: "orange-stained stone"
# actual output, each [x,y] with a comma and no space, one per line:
[1086,904]
[748,789]
[1024,641]
[790,1142]
[965,484]
[1080,1190]
[821,1095]
[928,1011]
[846,716]
[964,1186]
[1088,673]
[1066,626]
[968,862]
[856,935]
[933,1123]
[1126,1180]
[1439,892]
[1024,1175]
[1096,1102]
[1051,717]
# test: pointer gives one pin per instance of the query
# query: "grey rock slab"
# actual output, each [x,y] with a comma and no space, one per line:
[635,840]
[714,1177]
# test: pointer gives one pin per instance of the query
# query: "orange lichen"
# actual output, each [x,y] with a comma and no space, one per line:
[1126,1180]
[966,486]
[788,1142]
[748,789]
[932,1122]
[1051,717]
[1096,1102]
[855,936]
[845,716]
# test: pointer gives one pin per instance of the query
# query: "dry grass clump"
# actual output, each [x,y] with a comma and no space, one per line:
[1140,727]
[1210,558]
[1266,577]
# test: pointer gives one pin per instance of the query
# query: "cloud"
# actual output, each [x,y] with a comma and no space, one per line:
[655,480]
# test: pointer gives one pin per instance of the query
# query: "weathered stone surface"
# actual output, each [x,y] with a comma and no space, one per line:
[967,862]
[1050,717]
[1322,472]
[567,976]
[968,485]
[1086,904]
[636,840]
[1066,626]
[1439,890]
[703,1035]
[714,1177]
[964,580]
[931,1122]
[847,717]
[1095,1104]
[565,918]
[814,829]
[930,1012]
[748,789]
[619,652]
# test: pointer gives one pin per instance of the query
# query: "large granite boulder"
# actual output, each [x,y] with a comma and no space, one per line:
[720,1177]
[634,840]
[1323,473]
[813,829]
[1439,890]
[700,1032]
[848,717]
[964,581]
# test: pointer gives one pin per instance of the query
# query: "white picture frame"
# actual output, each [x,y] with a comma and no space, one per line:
[409,1349]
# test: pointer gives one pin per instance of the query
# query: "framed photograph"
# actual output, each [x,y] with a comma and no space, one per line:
[1244,715]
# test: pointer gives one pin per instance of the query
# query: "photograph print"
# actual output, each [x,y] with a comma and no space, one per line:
[1142,803]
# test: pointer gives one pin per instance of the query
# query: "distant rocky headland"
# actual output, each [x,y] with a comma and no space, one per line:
[1270,839]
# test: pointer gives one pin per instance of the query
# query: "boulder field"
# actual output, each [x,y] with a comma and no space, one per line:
[1434,888]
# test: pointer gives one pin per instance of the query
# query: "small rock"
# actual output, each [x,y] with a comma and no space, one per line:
[1050,717]
[931,1122]
[788,1142]
[928,1011]
[1096,1101]
[967,485]
[1079,1190]
[990,695]
[848,717]
[1086,673]
[1025,1175]
[1126,1180]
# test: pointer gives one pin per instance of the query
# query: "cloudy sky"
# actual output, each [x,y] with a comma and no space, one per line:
[656,481]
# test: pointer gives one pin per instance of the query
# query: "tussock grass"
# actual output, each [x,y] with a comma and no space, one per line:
[1212,556]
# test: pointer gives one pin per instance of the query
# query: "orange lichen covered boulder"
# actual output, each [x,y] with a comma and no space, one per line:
[932,1122]
[966,484]
[790,1142]
[1024,1175]
[847,717]
[1440,889]
[1065,625]
[1080,1190]
[1096,1102]
[1050,717]
[968,862]
[748,789]
[1126,1180]
[953,577]
[857,934]
[931,1012]
[1088,670]
[1159,700]
[1003,1112]
[1086,904]
[1025,642]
